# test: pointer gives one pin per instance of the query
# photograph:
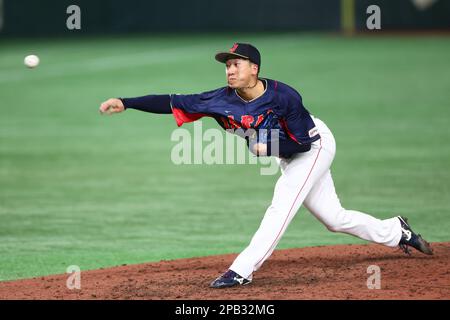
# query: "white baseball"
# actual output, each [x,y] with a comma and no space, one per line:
[31,61]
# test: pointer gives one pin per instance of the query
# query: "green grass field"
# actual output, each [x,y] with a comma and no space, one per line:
[79,188]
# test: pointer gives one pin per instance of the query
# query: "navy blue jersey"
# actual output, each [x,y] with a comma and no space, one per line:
[279,107]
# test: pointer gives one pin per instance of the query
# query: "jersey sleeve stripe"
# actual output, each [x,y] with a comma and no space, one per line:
[182,116]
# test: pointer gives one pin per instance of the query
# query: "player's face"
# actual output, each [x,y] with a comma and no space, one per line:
[240,73]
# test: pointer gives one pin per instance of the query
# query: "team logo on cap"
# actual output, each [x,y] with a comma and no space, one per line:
[234,47]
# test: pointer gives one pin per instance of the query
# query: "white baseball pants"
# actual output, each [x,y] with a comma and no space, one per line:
[306,179]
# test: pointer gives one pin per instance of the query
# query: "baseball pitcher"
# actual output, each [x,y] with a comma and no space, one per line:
[305,151]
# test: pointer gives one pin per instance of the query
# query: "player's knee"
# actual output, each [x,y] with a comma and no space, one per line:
[339,222]
[335,227]
[332,228]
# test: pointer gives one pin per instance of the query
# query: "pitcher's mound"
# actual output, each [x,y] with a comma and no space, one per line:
[327,272]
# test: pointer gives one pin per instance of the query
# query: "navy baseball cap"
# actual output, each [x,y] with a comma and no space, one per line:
[240,51]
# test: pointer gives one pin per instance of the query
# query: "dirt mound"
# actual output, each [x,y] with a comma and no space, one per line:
[327,272]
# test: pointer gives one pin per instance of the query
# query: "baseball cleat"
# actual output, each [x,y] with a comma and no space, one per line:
[410,239]
[229,279]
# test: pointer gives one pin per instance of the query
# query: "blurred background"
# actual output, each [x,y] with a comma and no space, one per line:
[43,18]
[80,189]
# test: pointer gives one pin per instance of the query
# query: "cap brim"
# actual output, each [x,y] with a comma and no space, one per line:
[224,56]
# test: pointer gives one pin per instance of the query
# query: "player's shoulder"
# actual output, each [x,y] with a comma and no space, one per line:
[283,90]
[219,92]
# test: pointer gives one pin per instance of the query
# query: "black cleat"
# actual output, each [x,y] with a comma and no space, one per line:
[410,239]
[229,279]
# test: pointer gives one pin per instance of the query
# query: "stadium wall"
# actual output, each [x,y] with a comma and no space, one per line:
[48,17]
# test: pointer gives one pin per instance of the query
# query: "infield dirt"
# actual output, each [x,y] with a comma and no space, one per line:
[326,272]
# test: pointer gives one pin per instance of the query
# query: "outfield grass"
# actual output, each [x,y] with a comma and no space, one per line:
[78,188]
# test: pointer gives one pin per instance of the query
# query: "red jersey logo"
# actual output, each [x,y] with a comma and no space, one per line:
[247,121]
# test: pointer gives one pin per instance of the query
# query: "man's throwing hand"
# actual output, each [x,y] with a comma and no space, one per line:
[111,106]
